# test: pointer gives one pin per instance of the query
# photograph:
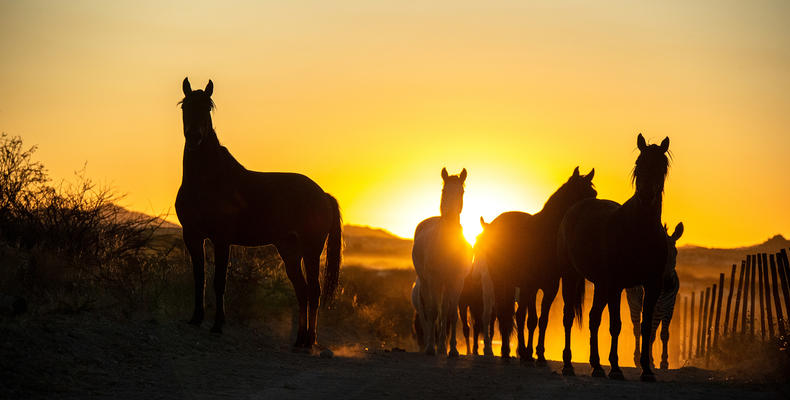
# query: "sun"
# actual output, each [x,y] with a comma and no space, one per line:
[488,201]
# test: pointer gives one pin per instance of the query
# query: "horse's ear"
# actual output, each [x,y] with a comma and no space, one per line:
[665,144]
[445,175]
[483,223]
[678,231]
[209,88]
[575,173]
[589,176]
[640,142]
[463,175]
[186,87]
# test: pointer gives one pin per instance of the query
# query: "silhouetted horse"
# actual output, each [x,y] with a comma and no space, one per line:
[222,201]
[665,306]
[442,258]
[477,300]
[522,253]
[616,247]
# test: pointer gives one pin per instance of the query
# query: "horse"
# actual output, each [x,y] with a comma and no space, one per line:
[222,201]
[477,300]
[521,253]
[616,247]
[442,258]
[665,305]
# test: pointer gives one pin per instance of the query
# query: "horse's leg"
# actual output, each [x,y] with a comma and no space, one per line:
[599,302]
[488,314]
[312,262]
[504,312]
[636,296]
[665,341]
[221,252]
[462,310]
[545,307]
[293,268]
[651,297]
[476,323]
[418,331]
[569,283]
[521,316]
[452,313]
[194,245]
[615,324]
[429,316]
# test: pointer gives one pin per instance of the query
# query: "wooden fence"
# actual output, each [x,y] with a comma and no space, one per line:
[762,288]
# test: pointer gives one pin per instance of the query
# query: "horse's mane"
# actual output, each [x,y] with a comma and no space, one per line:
[651,159]
[562,196]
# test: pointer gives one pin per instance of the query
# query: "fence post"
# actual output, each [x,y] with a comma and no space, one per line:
[761,295]
[705,322]
[699,323]
[780,322]
[729,301]
[755,259]
[710,320]
[744,315]
[691,326]
[738,299]
[782,265]
[767,283]
[718,311]
[683,326]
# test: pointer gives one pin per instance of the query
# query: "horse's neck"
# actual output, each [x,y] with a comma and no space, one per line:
[208,162]
[450,220]
[552,211]
[640,214]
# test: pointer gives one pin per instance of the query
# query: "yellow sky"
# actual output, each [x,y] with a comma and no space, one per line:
[371,99]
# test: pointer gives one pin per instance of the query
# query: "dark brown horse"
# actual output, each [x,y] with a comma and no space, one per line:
[616,247]
[222,201]
[521,252]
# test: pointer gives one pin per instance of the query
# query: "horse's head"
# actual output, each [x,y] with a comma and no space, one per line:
[672,250]
[196,109]
[651,171]
[578,187]
[452,193]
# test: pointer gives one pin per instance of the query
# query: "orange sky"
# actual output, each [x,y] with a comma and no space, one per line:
[372,99]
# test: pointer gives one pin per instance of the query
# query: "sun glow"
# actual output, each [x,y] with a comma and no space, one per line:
[488,201]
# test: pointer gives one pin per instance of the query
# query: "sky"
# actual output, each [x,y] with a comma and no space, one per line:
[371,99]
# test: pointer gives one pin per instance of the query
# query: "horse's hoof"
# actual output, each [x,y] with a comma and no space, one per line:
[647,377]
[506,358]
[195,320]
[527,362]
[217,329]
[430,352]
[664,366]
[541,362]
[616,374]
[598,372]
[568,371]
[453,353]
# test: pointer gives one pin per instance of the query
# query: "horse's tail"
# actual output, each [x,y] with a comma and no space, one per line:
[334,249]
[573,293]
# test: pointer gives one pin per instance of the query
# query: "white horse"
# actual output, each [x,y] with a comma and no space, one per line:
[442,259]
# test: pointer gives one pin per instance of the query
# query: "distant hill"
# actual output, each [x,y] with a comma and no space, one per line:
[378,248]
[697,265]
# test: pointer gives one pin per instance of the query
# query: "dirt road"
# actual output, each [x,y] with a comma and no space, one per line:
[87,356]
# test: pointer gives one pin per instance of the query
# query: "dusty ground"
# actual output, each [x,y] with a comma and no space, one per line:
[90,356]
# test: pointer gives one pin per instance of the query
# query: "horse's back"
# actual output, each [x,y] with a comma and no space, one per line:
[255,208]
